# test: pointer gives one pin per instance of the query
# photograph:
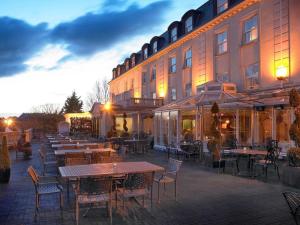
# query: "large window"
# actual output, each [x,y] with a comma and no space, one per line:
[250,30]
[173,94]
[144,75]
[145,53]
[188,58]
[153,73]
[172,65]
[222,43]
[174,34]
[222,77]
[251,76]
[154,47]
[189,24]
[222,5]
[188,89]
[133,61]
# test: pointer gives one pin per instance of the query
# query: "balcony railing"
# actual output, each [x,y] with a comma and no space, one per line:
[145,102]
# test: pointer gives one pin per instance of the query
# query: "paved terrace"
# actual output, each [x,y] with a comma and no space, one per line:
[205,198]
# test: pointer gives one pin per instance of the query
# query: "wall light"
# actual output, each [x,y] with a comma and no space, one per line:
[107,106]
[282,72]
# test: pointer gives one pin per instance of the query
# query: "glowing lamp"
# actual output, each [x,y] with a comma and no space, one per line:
[281,72]
[8,122]
[107,106]
[161,93]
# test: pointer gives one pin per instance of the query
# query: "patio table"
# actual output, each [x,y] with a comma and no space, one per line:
[109,169]
[86,151]
[73,144]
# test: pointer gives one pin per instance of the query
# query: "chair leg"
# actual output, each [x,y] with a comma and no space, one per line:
[158,197]
[175,190]
[77,212]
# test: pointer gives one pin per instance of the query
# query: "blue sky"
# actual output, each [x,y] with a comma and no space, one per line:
[49,48]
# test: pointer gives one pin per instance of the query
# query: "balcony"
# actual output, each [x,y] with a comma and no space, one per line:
[144,102]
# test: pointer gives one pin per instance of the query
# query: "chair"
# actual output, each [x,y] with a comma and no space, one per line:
[98,157]
[44,186]
[90,191]
[76,158]
[136,185]
[47,160]
[228,157]
[170,176]
[293,201]
[270,160]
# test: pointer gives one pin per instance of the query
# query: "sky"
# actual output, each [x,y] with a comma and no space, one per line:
[50,48]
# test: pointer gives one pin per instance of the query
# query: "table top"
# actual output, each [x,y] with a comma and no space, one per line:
[65,141]
[73,144]
[108,169]
[137,140]
[247,151]
[86,151]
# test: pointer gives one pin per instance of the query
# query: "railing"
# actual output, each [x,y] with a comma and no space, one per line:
[145,102]
[13,137]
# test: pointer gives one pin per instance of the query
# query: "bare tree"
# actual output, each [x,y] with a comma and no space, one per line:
[47,109]
[100,93]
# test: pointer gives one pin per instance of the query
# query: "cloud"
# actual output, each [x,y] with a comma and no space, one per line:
[95,32]
[19,41]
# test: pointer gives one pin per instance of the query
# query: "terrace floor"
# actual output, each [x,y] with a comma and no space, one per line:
[205,198]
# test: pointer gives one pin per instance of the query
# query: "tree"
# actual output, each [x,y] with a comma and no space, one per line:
[215,135]
[99,94]
[47,109]
[73,104]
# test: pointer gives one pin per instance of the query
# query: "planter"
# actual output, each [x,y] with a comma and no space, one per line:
[291,176]
[4,176]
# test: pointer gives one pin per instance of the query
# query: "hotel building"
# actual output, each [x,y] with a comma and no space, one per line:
[242,54]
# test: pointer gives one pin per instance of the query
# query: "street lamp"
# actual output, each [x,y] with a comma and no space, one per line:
[8,122]
[107,106]
[282,73]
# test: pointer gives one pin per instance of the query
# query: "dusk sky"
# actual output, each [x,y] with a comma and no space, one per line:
[49,48]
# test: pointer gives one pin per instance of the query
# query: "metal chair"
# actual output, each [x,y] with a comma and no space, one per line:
[96,157]
[226,158]
[76,158]
[170,176]
[91,191]
[44,186]
[136,185]
[47,160]
[293,201]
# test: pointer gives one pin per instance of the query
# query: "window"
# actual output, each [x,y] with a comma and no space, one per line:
[222,5]
[133,61]
[173,94]
[188,58]
[189,24]
[222,43]
[200,89]
[144,76]
[145,53]
[154,47]
[153,74]
[251,76]
[132,84]
[154,95]
[127,65]
[188,89]
[221,78]
[119,71]
[172,65]
[250,30]
[174,34]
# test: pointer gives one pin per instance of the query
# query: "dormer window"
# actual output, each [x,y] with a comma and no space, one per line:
[145,53]
[174,34]
[133,61]
[127,65]
[154,47]
[222,5]
[119,71]
[189,24]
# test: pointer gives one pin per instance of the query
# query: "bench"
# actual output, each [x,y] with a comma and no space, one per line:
[293,201]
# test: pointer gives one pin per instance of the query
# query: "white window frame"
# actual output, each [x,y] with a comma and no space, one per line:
[153,73]
[172,64]
[133,61]
[154,95]
[222,5]
[145,53]
[189,24]
[252,76]
[144,77]
[154,46]
[127,65]
[222,77]
[174,34]
[250,33]
[188,91]
[173,94]
[222,42]
[188,58]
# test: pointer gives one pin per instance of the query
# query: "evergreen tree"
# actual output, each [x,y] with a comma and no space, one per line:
[73,104]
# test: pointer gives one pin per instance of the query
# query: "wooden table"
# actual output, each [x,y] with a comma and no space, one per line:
[109,169]
[73,144]
[86,151]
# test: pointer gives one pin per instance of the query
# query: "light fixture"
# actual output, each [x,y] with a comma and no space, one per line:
[107,106]
[8,122]
[281,72]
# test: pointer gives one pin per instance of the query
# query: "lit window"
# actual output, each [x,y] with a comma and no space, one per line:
[174,34]
[155,47]
[188,90]
[250,30]
[144,75]
[221,78]
[153,74]
[222,5]
[173,94]
[145,53]
[172,65]
[189,24]
[251,76]
[133,61]
[222,43]
[154,95]
[188,58]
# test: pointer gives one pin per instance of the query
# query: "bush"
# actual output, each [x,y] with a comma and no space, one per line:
[4,155]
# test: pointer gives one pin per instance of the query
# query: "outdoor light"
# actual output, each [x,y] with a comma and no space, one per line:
[281,72]
[8,122]
[107,106]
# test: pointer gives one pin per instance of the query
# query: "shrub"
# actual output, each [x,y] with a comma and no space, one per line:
[4,155]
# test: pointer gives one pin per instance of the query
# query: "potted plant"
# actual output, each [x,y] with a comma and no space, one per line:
[214,143]
[4,162]
[125,128]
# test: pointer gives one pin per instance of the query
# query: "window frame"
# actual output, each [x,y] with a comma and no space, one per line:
[153,75]
[223,44]
[145,53]
[155,46]
[188,91]
[189,28]
[133,61]
[249,31]
[222,75]
[173,97]
[144,77]
[222,5]
[174,37]
[188,59]
[172,67]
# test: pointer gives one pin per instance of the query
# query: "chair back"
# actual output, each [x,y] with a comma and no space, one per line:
[33,175]
[173,166]
[42,153]
[138,181]
[94,186]
[97,157]
[76,158]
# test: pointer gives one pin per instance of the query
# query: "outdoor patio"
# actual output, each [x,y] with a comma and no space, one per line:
[204,197]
